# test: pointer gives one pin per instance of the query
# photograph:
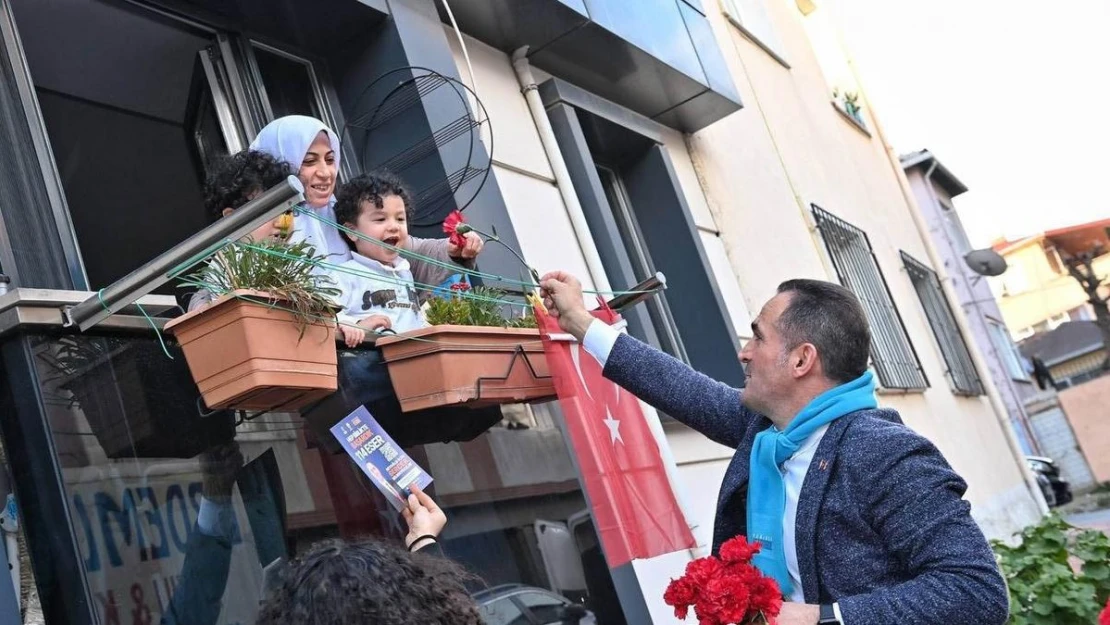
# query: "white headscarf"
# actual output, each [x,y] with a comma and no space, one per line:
[288,138]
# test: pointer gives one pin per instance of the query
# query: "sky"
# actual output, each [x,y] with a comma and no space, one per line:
[1013,97]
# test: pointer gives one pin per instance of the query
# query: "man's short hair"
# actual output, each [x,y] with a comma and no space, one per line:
[233,179]
[831,318]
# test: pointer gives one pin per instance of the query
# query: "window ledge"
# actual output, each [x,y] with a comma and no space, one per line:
[751,37]
[852,120]
[882,390]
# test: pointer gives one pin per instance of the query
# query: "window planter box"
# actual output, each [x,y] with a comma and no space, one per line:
[249,356]
[472,365]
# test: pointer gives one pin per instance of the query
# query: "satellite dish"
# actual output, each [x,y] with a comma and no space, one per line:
[986,262]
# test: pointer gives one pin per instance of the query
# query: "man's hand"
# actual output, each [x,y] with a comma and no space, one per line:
[798,614]
[376,322]
[424,518]
[562,295]
[469,251]
[352,336]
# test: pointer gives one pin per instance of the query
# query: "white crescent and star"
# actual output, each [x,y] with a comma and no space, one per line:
[614,425]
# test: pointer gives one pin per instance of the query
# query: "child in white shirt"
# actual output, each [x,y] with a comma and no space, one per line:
[378,289]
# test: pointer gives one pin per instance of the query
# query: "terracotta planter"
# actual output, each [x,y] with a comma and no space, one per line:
[248,356]
[477,366]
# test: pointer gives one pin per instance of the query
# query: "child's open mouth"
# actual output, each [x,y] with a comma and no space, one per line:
[391,240]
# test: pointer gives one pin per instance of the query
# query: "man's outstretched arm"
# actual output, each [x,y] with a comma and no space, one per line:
[670,385]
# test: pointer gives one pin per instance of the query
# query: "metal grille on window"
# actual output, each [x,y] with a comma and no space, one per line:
[891,351]
[961,369]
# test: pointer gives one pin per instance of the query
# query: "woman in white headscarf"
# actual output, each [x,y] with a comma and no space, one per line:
[312,150]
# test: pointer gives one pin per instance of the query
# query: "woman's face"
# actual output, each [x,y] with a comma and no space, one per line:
[318,171]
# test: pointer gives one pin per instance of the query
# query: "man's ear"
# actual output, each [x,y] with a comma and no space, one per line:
[803,360]
[227,211]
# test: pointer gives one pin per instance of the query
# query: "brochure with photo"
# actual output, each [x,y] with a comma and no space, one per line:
[379,457]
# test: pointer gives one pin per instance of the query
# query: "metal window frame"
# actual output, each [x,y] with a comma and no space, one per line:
[52,179]
[641,260]
[317,76]
[892,352]
[963,377]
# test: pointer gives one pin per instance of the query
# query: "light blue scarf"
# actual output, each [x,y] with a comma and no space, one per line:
[766,491]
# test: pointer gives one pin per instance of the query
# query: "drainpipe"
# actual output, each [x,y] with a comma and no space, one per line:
[562,177]
[577,216]
[997,405]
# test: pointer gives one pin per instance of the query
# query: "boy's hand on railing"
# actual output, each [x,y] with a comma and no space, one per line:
[352,336]
[376,322]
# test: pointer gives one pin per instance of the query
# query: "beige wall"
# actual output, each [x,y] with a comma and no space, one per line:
[1046,293]
[1088,408]
[749,184]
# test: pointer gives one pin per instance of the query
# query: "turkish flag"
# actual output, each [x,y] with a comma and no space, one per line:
[635,513]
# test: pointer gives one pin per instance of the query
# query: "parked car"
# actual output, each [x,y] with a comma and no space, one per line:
[1057,490]
[516,604]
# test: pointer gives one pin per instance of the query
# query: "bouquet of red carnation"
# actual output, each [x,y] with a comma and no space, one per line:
[727,590]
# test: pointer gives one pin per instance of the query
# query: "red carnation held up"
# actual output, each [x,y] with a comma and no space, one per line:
[450,227]
[726,590]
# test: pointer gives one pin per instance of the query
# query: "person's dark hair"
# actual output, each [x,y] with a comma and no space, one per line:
[338,583]
[373,187]
[831,318]
[233,179]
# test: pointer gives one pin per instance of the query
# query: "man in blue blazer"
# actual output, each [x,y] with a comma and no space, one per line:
[861,520]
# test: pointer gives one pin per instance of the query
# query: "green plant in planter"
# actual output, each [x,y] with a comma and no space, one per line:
[851,104]
[1044,588]
[483,309]
[288,273]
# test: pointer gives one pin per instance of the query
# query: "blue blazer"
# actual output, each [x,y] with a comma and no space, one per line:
[882,526]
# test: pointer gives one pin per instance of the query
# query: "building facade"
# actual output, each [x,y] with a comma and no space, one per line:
[1036,294]
[934,188]
[725,144]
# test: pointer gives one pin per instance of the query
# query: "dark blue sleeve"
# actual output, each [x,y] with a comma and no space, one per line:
[710,407]
[198,597]
[915,503]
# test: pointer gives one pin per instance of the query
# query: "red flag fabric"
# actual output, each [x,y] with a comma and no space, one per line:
[635,512]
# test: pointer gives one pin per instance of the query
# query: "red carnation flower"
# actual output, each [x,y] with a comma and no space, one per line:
[1104,618]
[460,287]
[727,599]
[726,590]
[739,550]
[450,227]
[700,571]
[680,594]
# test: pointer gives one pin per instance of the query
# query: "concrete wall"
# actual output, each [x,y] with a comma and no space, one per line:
[1059,440]
[1088,408]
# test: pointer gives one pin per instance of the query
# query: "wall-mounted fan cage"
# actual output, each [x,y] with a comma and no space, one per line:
[441,158]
